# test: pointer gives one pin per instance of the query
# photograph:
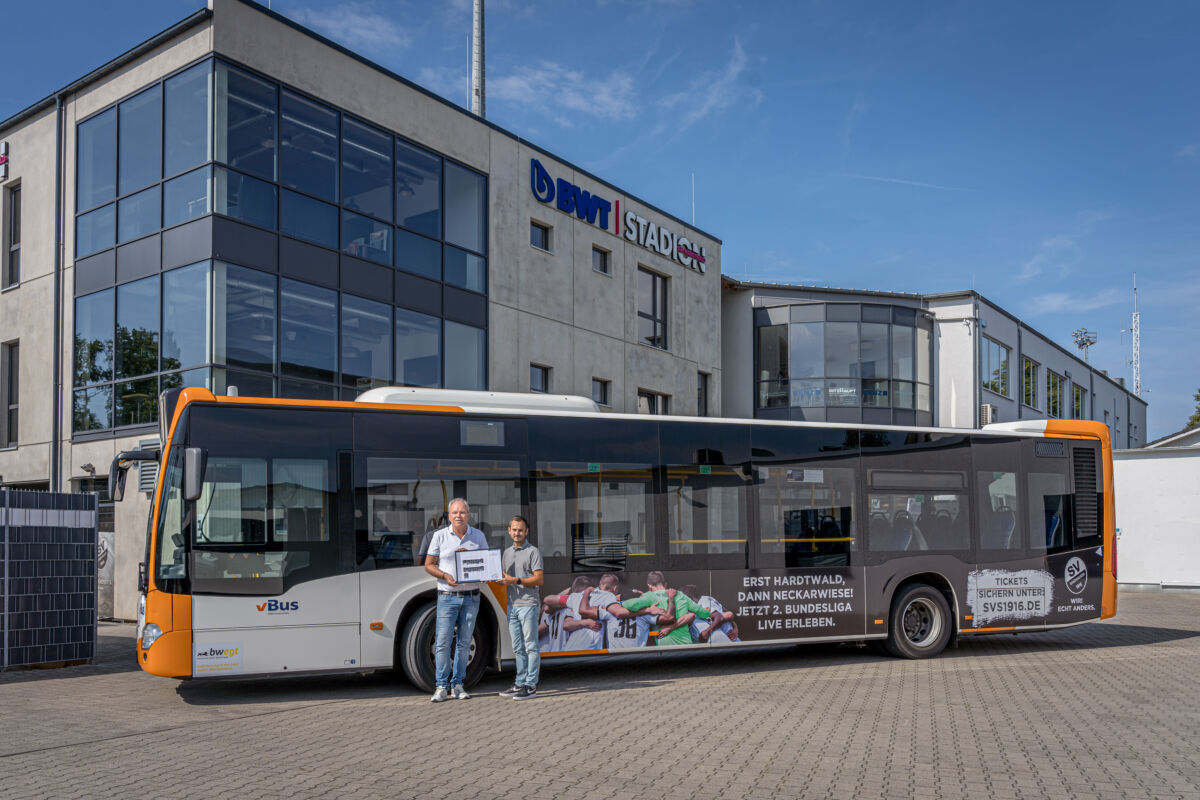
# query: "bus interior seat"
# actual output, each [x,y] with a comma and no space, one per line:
[902,530]
[1054,530]
[880,530]
[830,533]
[999,530]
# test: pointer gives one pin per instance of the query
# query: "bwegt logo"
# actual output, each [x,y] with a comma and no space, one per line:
[218,652]
[275,605]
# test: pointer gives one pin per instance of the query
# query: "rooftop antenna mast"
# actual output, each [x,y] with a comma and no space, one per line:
[1137,343]
[478,53]
[1083,340]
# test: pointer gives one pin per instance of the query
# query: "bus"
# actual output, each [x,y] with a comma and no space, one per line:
[284,535]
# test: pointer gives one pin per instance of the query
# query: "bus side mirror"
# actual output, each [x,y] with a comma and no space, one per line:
[120,467]
[193,473]
[116,483]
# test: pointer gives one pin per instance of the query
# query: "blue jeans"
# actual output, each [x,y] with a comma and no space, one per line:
[456,614]
[523,627]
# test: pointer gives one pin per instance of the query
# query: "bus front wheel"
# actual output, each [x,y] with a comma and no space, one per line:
[920,623]
[415,652]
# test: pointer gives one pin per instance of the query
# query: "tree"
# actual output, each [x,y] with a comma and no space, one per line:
[1194,420]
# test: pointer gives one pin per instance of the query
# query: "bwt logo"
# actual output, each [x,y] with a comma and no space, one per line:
[276,606]
[570,198]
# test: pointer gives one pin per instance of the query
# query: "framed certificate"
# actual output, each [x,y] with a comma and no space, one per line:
[477,565]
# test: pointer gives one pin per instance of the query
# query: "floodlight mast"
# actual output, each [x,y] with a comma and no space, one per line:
[1083,340]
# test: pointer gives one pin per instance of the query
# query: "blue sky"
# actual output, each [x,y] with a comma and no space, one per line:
[1041,153]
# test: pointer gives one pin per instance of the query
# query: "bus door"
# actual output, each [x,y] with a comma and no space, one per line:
[403,494]
[805,579]
[1066,509]
[272,580]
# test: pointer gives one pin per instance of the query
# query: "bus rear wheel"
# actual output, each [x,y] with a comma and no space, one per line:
[919,626]
[415,650]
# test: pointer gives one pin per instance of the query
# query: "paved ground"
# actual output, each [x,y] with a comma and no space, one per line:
[1102,710]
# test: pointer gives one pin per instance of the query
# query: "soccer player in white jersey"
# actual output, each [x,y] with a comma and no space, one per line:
[622,628]
[720,627]
[557,617]
[581,633]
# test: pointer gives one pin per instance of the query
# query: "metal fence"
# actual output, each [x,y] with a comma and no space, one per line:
[48,577]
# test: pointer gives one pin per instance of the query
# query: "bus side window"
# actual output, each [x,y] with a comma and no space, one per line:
[806,515]
[594,515]
[1049,513]
[998,514]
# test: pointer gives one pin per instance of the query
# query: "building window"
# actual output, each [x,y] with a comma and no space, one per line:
[994,366]
[601,391]
[652,308]
[10,374]
[1029,382]
[12,238]
[539,379]
[652,402]
[702,394]
[600,261]
[539,236]
[1054,394]
[1078,402]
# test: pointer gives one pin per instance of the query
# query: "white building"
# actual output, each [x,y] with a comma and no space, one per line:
[954,360]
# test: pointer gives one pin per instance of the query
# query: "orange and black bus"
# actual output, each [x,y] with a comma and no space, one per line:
[285,534]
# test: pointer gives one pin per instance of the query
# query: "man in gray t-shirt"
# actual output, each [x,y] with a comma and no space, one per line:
[522,565]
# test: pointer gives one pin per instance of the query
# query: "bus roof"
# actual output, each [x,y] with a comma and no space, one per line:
[484,402]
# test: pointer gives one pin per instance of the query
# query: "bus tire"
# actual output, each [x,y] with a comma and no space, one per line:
[919,625]
[415,651]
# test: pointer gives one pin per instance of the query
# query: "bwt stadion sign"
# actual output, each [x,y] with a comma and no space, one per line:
[605,214]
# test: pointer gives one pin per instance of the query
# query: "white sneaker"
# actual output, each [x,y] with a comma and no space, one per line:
[459,693]
[440,695]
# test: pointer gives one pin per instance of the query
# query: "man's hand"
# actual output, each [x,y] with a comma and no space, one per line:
[591,624]
[449,579]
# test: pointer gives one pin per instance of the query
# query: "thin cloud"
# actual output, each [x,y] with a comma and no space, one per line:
[714,93]
[355,24]
[448,82]
[1061,252]
[1056,302]
[857,110]
[903,182]
[1189,151]
[550,86]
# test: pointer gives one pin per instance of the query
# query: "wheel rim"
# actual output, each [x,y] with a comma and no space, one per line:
[453,648]
[922,622]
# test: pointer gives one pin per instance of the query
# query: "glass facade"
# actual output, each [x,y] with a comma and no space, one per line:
[843,362]
[994,366]
[217,139]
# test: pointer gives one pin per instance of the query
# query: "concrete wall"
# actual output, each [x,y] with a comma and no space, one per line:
[27,308]
[1158,516]
[737,352]
[955,344]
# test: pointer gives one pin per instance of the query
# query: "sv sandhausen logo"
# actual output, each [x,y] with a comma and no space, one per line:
[277,607]
[571,199]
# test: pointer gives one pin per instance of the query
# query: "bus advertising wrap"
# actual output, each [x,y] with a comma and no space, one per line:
[620,610]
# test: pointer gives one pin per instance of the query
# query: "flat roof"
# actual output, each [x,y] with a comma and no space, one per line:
[734,283]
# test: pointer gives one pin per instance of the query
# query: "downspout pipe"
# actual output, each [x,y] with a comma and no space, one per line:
[56,359]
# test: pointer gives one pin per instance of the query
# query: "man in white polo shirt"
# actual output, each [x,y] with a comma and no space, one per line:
[457,603]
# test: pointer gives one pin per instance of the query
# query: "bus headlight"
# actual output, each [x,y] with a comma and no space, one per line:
[150,635]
